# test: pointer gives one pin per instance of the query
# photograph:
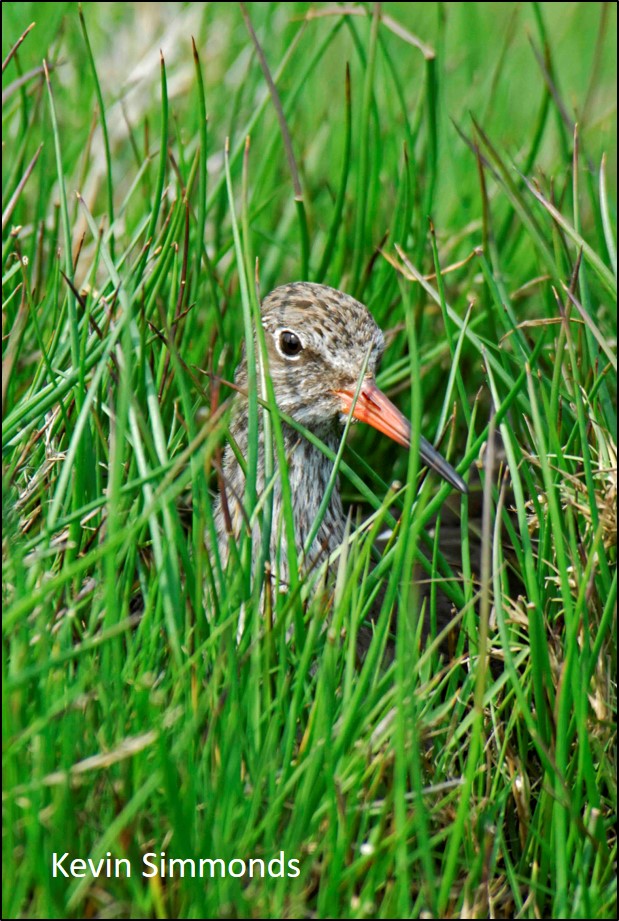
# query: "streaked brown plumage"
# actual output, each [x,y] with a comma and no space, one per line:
[319,341]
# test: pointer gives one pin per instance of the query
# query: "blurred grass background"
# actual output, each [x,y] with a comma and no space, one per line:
[133,723]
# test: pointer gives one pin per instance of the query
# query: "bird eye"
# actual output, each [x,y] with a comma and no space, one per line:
[289,343]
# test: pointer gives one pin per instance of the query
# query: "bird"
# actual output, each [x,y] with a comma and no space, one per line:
[323,351]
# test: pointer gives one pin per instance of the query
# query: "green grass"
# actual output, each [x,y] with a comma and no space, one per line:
[428,163]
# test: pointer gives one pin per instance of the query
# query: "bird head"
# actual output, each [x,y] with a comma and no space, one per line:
[320,342]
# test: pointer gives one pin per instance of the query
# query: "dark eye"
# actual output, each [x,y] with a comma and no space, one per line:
[289,343]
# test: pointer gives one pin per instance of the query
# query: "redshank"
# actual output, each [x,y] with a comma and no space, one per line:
[320,342]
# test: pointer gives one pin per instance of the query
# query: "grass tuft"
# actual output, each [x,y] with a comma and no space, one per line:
[455,168]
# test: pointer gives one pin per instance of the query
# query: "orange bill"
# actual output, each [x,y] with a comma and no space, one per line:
[377,410]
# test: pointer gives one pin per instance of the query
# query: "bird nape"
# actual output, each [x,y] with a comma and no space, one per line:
[323,348]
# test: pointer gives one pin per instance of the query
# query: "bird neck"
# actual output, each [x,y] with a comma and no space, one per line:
[308,474]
